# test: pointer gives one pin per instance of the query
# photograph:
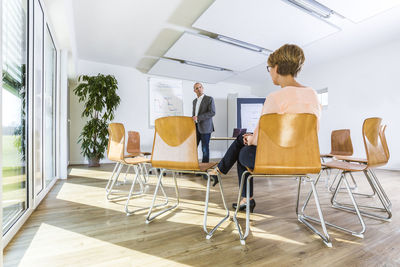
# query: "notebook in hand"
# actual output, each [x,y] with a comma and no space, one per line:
[238,131]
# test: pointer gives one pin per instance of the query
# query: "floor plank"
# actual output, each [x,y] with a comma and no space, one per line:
[76,226]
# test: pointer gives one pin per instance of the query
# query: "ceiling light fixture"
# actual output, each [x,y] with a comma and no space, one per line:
[242,44]
[203,66]
[313,7]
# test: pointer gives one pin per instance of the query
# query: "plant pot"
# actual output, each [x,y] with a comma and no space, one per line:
[94,162]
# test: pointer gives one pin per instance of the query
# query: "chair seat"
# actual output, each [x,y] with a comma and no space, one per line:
[326,156]
[352,159]
[130,155]
[345,166]
[289,172]
[206,166]
[136,160]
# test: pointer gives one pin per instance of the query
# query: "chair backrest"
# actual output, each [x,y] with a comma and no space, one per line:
[383,140]
[374,149]
[175,145]
[341,143]
[287,144]
[116,141]
[133,145]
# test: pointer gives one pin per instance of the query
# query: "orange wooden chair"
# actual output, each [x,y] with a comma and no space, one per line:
[341,145]
[287,147]
[378,155]
[133,150]
[116,152]
[175,150]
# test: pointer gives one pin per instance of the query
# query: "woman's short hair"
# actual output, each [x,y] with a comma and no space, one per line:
[289,58]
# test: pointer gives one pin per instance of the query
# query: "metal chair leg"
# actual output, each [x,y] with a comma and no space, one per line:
[126,174]
[303,218]
[241,236]
[112,176]
[131,193]
[381,196]
[145,173]
[210,233]
[150,218]
[364,194]
[354,187]
[342,179]
[115,179]
[389,203]
[137,179]
[331,188]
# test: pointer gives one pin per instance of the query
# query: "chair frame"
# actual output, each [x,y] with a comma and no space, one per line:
[356,209]
[210,233]
[375,186]
[378,189]
[300,215]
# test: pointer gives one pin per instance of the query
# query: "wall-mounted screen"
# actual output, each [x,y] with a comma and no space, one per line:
[249,112]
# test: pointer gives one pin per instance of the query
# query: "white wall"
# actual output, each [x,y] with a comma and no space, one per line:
[361,85]
[134,112]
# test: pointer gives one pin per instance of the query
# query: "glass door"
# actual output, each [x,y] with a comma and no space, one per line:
[37,99]
[14,111]
[50,66]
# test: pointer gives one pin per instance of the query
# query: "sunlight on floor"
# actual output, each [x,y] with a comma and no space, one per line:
[56,244]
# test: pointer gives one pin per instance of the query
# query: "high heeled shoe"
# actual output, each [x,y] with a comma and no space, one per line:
[214,175]
[243,206]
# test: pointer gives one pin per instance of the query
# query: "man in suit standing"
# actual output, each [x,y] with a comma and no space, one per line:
[203,111]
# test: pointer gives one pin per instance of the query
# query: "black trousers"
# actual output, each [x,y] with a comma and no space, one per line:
[244,155]
[205,144]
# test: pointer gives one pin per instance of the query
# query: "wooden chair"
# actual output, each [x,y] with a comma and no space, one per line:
[133,145]
[341,145]
[378,155]
[365,161]
[115,152]
[133,150]
[175,150]
[287,147]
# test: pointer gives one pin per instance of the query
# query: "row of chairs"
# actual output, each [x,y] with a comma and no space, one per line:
[287,147]
[377,155]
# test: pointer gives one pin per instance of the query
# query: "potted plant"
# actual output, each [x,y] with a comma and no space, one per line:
[98,93]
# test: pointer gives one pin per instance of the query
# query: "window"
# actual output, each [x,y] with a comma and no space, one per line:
[323,97]
[14,111]
[50,57]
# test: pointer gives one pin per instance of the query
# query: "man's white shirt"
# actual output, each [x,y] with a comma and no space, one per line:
[199,99]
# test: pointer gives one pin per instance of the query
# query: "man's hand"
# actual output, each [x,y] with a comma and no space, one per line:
[194,118]
[245,140]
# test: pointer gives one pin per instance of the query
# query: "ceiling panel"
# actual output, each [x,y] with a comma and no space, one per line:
[270,25]
[359,10]
[175,69]
[209,51]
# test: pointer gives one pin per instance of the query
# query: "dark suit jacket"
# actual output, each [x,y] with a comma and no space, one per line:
[206,112]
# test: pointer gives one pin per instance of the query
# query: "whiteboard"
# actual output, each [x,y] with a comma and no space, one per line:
[203,49]
[249,112]
[165,98]
[175,69]
[265,23]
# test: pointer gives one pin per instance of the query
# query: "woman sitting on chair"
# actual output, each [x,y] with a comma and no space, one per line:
[283,65]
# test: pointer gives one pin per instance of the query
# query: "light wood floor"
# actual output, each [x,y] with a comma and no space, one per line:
[76,226]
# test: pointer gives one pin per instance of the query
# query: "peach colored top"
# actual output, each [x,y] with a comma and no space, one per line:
[289,99]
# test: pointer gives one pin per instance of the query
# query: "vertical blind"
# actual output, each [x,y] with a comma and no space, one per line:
[14,45]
